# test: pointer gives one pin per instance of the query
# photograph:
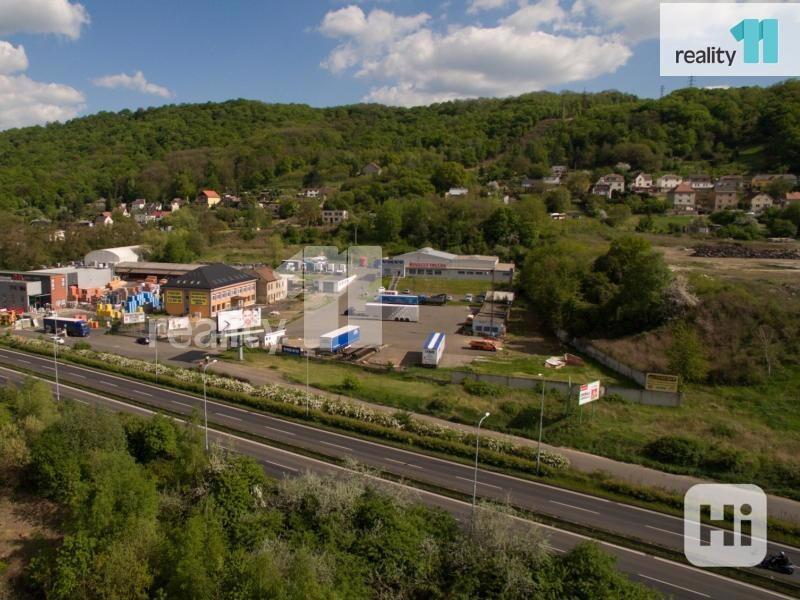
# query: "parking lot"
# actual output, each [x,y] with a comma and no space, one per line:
[402,342]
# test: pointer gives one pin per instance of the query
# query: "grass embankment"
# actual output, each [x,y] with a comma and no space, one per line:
[726,433]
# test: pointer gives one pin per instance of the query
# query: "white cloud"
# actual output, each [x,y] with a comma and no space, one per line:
[136,82]
[27,102]
[42,16]
[12,58]
[373,30]
[422,65]
[477,6]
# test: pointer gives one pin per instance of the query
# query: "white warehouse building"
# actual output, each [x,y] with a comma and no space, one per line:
[112,256]
[427,262]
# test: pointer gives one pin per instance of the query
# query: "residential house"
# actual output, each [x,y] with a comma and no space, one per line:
[457,192]
[208,198]
[559,170]
[270,287]
[310,193]
[557,216]
[642,182]
[668,182]
[551,180]
[601,189]
[683,197]
[700,183]
[334,217]
[791,198]
[760,202]
[761,181]
[726,193]
[527,183]
[176,204]
[138,204]
[615,182]
[371,169]
[104,219]
[622,166]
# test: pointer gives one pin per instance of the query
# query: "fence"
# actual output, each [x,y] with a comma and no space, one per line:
[640,396]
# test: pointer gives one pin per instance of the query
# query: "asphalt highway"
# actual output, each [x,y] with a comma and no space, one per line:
[679,580]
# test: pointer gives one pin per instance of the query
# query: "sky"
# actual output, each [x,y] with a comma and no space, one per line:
[60,58]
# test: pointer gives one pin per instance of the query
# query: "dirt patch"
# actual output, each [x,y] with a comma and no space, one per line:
[27,524]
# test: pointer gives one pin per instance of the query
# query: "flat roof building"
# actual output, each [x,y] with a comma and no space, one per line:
[23,291]
[428,262]
[143,270]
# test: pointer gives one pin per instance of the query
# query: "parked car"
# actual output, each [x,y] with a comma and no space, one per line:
[480,298]
[485,345]
[468,298]
[449,298]
[57,339]
[144,341]
[406,291]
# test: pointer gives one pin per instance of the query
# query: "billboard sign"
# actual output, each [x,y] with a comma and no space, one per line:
[239,318]
[179,324]
[659,382]
[129,318]
[589,392]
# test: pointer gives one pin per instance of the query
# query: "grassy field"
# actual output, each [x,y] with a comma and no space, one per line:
[435,285]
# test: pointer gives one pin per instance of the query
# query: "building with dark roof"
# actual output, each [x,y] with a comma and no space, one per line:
[206,290]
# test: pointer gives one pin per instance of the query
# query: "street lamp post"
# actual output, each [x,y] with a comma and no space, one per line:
[541,424]
[55,362]
[475,476]
[208,361]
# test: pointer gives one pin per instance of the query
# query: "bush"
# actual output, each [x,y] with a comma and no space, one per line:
[675,450]
[480,388]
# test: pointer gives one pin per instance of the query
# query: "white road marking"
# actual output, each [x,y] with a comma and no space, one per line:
[685,589]
[405,464]
[142,393]
[278,430]
[497,487]
[228,416]
[274,464]
[22,360]
[77,375]
[337,446]
[182,404]
[575,507]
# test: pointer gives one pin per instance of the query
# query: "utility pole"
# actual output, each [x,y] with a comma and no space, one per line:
[475,476]
[541,425]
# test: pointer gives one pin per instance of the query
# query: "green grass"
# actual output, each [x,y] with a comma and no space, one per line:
[436,285]
[531,365]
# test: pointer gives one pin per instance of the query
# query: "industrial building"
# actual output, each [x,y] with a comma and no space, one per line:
[207,290]
[270,287]
[112,256]
[491,319]
[23,291]
[139,271]
[428,262]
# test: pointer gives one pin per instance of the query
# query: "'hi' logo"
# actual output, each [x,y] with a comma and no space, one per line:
[744,507]
[756,33]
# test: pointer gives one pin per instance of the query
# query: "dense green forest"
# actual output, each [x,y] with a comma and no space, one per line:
[141,511]
[246,145]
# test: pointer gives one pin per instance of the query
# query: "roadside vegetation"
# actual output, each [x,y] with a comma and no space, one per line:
[144,512]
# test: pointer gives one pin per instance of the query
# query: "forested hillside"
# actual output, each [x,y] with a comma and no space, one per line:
[246,145]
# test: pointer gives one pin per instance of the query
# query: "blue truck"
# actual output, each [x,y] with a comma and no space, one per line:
[408,299]
[73,327]
[339,339]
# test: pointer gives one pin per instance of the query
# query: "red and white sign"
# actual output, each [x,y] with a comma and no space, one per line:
[589,393]
[427,265]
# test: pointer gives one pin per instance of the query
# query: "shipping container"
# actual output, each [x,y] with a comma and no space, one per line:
[338,339]
[433,349]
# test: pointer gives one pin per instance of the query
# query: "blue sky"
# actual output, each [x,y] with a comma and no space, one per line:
[60,59]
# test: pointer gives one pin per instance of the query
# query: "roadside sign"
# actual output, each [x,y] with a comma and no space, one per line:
[659,382]
[130,318]
[589,392]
